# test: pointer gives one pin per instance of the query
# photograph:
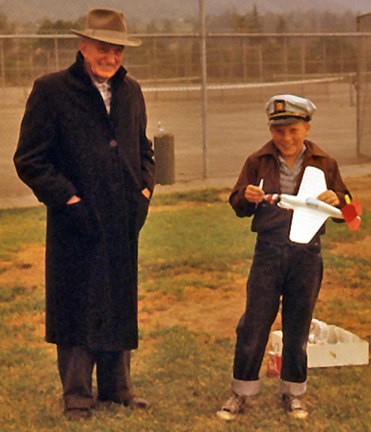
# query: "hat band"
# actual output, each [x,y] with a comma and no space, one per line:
[111,34]
[287,114]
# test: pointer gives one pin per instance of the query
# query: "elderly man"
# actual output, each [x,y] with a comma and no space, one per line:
[84,152]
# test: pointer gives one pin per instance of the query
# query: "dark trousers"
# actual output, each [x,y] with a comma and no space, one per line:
[295,273]
[76,364]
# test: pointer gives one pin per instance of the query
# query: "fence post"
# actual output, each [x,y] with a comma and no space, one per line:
[2,60]
[56,53]
[204,89]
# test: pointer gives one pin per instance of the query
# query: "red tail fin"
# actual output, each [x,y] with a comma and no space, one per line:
[354,224]
[351,213]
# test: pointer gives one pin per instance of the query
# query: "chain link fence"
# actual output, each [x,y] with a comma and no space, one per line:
[243,71]
[364,87]
[168,57]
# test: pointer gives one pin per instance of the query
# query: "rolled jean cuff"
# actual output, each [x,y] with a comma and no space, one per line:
[293,388]
[246,388]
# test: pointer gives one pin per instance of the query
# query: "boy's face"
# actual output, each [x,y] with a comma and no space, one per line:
[289,139]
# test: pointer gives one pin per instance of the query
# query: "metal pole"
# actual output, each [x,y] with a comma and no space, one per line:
[204,88]
[56,53]
[285,58]
[359,88]
[303,58]
[261,63]
[2,61]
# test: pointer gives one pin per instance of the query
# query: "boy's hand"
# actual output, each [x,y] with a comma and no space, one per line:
[329,197]
[254,194]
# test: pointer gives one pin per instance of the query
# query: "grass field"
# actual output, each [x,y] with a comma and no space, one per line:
[194,258]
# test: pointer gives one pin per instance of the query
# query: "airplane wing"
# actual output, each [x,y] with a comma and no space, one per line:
[309,213]
[307,221]
[313,183]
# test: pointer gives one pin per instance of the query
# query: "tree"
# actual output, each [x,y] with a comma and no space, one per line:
[281,26]
[253,21]
[57,27]
[239,24]
[3,22]
[5,26]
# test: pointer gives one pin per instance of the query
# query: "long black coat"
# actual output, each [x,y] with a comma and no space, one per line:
[68,146]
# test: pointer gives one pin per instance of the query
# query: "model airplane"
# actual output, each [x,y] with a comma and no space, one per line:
[309,212]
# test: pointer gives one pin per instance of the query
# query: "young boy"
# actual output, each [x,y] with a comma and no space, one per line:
[280,267]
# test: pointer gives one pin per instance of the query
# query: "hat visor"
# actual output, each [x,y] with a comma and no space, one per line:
[286,120]
[112,37]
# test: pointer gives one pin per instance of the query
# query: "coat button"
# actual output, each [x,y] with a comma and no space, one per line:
[113,143]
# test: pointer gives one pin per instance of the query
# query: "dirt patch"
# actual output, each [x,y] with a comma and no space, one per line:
[203,310]
[361,248]
[26,269]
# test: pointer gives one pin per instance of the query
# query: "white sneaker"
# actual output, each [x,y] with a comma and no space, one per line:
[294,406]
[232,407]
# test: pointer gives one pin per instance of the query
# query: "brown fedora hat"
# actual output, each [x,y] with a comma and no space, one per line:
[107,25]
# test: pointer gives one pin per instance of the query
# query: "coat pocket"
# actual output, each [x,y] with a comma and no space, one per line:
[79,220]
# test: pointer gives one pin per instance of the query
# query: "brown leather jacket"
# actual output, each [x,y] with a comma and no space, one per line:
[271,222]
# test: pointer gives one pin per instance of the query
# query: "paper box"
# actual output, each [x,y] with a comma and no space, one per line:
[341,349]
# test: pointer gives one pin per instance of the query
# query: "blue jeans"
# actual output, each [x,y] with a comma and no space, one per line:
[293,272]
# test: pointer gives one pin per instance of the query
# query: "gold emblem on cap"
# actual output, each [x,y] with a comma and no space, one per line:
[279,106]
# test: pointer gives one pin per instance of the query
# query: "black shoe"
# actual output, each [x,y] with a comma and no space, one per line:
[137,403]
[75,414]
[134,402]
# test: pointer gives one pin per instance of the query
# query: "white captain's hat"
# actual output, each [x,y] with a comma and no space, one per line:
[287,109]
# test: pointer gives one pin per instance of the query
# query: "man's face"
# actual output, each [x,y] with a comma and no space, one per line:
[102,60]
[289,139]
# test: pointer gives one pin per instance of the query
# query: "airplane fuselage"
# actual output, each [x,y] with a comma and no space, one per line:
[293,202]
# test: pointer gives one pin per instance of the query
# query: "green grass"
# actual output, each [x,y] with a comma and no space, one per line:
[200,195]
[184,372]
[20,227]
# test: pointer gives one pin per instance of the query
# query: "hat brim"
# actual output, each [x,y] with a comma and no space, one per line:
[112,37]
[286,120]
